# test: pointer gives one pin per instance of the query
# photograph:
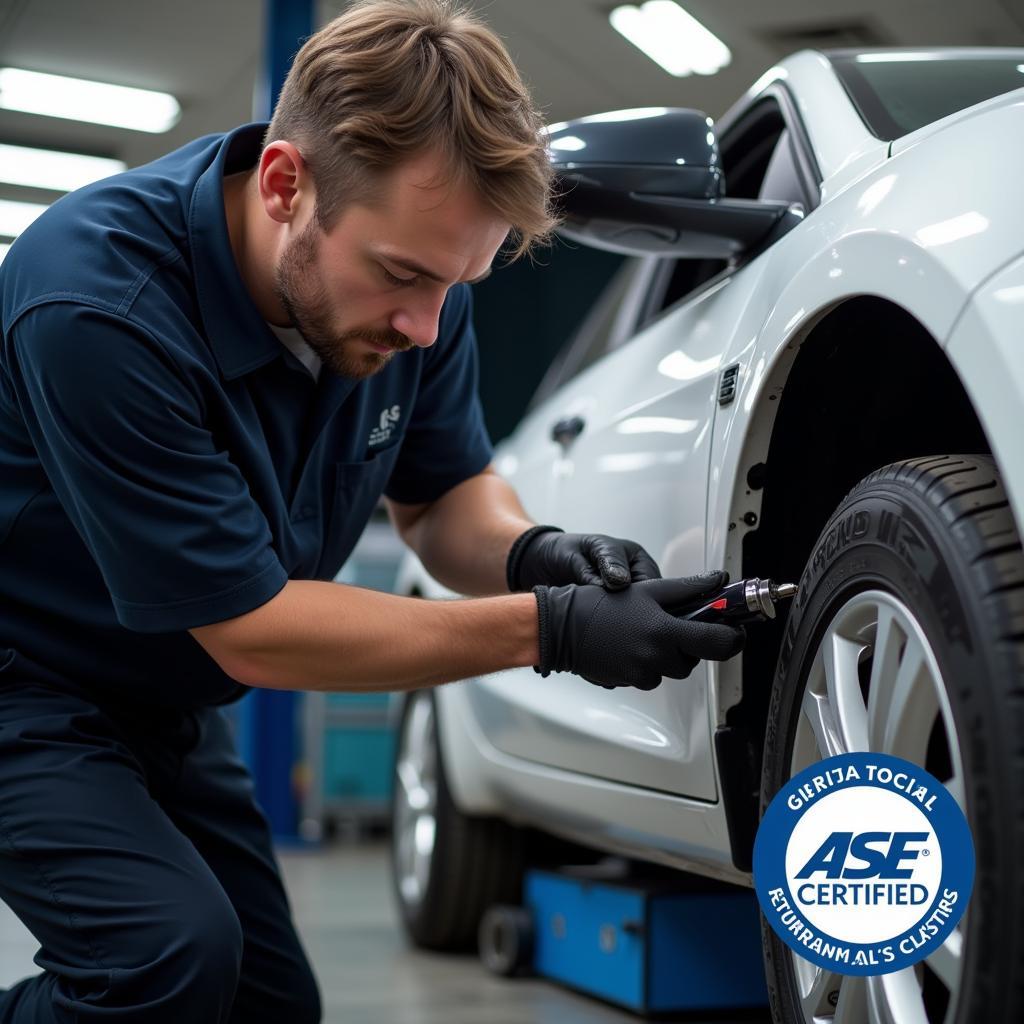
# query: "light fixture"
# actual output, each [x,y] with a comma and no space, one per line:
[671,37]
[47,168]
[16,216]
[76,99]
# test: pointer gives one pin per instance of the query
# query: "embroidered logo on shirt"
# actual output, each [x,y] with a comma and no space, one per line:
[388,419]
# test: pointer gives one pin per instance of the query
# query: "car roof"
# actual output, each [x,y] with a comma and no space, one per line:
[836,132]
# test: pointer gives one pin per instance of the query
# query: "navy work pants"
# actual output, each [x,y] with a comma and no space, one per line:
[131,848]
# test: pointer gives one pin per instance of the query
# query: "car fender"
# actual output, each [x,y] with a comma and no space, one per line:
[986,349]
[924,249]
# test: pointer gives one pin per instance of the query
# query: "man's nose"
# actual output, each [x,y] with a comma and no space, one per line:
[418,318]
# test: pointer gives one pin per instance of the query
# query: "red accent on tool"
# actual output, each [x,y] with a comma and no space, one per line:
[720,603]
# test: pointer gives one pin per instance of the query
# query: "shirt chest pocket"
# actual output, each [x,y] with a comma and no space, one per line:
[357,488]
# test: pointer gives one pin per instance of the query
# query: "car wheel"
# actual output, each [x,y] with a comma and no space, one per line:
[907,637]
[447,868]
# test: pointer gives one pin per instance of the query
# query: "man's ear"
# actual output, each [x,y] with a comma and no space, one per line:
[284,182]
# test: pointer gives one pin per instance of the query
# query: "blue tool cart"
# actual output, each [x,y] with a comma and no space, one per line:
[348,744]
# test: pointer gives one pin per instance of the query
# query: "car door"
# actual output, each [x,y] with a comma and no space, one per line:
[529,458]
[634,461]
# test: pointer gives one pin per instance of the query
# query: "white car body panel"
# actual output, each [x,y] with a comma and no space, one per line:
[682,833]
[662,463]
[653,450]
[988,341]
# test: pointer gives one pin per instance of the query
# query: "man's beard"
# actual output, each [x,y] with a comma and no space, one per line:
[305,302]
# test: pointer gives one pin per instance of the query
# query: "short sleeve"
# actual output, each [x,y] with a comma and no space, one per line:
[446,441]
[118,426]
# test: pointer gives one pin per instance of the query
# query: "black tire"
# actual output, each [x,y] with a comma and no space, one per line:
[938,534]
[476,862]
[506,940]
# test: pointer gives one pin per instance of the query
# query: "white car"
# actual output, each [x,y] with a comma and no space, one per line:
[816,378]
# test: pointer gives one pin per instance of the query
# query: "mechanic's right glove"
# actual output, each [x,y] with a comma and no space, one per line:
[631,637]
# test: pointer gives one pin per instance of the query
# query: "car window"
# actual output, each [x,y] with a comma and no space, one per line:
[782,179]
[748,149]
[610,318]
[680,278]
[897,93]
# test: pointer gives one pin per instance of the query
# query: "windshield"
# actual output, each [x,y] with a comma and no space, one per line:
[897,93]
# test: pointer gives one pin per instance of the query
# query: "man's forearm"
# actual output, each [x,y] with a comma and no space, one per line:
[463,538]
[326,636]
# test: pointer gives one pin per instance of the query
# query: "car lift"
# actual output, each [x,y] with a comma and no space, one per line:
[655,946]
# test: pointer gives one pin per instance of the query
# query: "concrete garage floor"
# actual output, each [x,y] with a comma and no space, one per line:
[368,975]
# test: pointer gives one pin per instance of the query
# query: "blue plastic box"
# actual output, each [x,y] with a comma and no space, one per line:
[647,947]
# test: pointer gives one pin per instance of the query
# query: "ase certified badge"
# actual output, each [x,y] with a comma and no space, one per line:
[863,863]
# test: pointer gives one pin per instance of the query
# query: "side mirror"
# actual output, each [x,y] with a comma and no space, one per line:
[650,181]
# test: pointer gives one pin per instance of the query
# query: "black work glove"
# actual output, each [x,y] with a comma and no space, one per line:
[545,556]
[630,637]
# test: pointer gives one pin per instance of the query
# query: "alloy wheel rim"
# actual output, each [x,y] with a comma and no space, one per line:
[415,821]
[874,685]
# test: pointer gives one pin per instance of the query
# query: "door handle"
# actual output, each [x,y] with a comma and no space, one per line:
[566,430]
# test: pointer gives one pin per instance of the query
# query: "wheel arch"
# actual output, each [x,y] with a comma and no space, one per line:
[808,443]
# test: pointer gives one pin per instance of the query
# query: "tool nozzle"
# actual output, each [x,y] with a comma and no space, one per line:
[781,590]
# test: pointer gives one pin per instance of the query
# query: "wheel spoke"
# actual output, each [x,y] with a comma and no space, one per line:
[805,744]
[416,795]
[955,785]
[896,998]
[946,961]
[816,985]
[416,800]
[885,663]
[842,685]
[913,706]
[418,730]
[852,1007]
[818,712]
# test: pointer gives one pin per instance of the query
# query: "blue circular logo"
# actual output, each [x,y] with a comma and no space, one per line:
[863,864]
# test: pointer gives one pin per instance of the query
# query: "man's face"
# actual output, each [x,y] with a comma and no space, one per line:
[374,285]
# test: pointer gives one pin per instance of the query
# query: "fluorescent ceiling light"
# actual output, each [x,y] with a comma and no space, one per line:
[671,37]
[79,100]
[46,168]
[15,217]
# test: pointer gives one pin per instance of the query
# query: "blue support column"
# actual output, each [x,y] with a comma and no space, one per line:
[268,720]
[287,24]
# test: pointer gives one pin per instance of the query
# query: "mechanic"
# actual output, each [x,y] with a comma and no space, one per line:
[212,368]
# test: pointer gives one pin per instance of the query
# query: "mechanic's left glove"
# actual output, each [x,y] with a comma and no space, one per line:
[545,556]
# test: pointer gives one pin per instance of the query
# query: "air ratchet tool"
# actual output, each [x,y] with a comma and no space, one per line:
[751,600]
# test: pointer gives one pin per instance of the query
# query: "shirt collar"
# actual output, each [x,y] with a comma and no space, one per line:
[238,334]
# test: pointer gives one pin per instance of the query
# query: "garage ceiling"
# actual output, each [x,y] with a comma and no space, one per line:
[207,54]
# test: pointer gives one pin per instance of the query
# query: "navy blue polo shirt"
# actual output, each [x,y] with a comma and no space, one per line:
[165,462]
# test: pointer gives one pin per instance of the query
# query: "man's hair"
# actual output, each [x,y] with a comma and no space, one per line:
[388,79]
